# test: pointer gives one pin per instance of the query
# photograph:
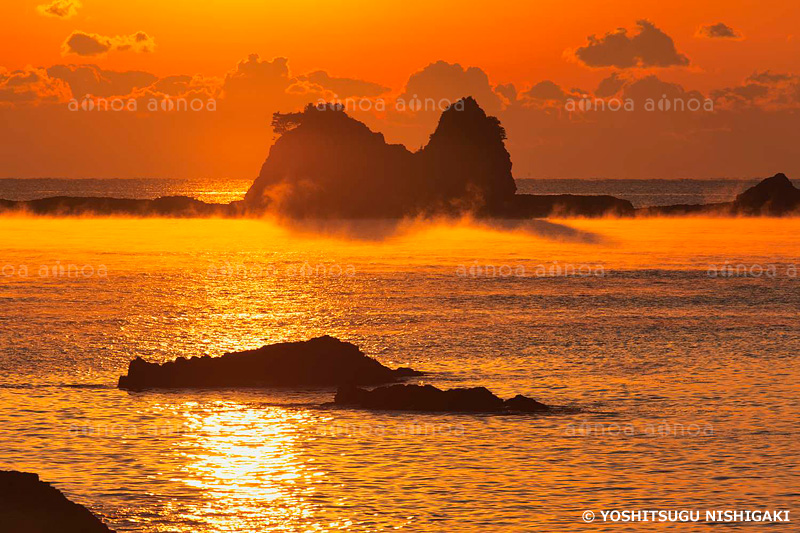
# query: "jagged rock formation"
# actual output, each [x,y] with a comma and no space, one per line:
[329,165]
[28,505]
[321,362]
[429,398]
[465,163]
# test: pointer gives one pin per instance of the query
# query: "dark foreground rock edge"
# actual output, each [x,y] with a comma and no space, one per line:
[320,362]
[427,398]
[29,505]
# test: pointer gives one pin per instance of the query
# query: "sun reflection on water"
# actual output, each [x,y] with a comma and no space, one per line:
[656,339]
[247,462]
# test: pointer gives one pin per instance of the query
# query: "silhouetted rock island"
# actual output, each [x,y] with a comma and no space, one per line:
[429,398]
[321,362]
[28,505]
[328,165]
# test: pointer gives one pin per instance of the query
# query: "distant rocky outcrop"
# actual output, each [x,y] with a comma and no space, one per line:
[172,206]
[563,205]
[680,210]
[328,165]
[429,398]
[28,505]
[321,362]
[775,196]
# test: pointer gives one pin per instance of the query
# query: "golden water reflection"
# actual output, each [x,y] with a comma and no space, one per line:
[247,463]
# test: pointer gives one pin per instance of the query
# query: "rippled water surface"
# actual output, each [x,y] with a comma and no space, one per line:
[669,351]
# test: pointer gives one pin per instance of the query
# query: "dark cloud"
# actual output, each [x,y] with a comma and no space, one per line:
[92,44]
[719,30]
[60,8]
[610,86]
[653,88]
[343,87]
[507,91]
[650,47]
[768,77]
[765,90]
[545,90]
[743,93]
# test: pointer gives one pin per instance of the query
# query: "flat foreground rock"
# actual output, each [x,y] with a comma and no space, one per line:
[429,398]
[28,505]
[320,362]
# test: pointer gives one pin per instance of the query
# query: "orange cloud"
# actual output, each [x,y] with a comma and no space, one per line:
[751,123]
[342,87]
[92,44]
[451,81]
[63,9]
[763,90]
[546,90]
[92,80]
[31,86]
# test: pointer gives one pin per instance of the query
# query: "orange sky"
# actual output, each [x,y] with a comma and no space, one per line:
[358,44]
[514,41]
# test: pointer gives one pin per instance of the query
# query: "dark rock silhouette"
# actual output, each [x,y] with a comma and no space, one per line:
[174,206]
[429,398]
[28,505]
[329,165]
[326,165]
[320,362]
[465,163]
[525,404]
[677,210]
[566,205]
[773,196]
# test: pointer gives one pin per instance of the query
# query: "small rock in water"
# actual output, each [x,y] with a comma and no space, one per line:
[321,362]
[429,398]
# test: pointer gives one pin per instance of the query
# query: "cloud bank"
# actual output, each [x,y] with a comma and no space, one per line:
[649,47]
[751,130]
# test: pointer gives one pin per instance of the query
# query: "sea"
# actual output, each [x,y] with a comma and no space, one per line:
[667,348]
[641,193]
